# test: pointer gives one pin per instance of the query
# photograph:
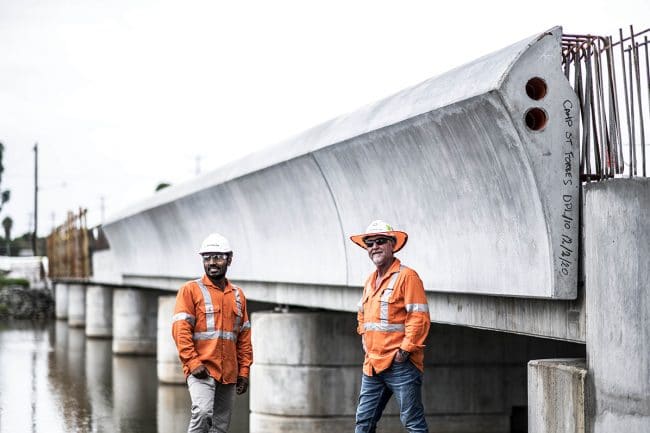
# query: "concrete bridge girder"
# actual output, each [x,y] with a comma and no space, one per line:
[489,199]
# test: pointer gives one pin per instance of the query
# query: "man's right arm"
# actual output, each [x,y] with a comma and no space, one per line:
[183,323]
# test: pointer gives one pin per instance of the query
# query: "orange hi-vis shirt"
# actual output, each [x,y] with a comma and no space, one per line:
[211,328]
[393,316]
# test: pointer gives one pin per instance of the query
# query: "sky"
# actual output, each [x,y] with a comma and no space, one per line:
[122,95]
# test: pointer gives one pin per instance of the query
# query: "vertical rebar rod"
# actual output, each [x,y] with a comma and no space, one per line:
[614,108]
[632,117]
[647,73]
[637,73]
[627,103]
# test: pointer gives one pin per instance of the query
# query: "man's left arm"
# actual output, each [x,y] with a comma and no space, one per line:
[417,321]
[244,349]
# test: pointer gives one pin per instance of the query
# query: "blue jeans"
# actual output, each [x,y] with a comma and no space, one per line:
[405,381]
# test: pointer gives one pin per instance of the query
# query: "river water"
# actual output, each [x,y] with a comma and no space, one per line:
[55,380]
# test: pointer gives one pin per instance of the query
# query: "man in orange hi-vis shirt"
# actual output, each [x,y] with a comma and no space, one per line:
[213,336]
[393,321]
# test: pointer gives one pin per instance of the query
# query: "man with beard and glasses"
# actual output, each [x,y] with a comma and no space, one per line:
[213,336]
[393,320]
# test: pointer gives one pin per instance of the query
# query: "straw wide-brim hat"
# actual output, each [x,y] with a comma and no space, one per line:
[377,228]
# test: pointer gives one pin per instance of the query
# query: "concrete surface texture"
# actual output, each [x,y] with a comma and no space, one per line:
[617,266]
[556,396]
[486,188]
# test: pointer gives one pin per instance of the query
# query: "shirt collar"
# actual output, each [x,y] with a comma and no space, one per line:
[206,281]
[394,267]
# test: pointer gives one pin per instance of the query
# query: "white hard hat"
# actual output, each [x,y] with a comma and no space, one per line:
[215,243]
[379,227]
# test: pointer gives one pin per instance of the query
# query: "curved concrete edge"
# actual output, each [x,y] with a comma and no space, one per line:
[552,153]
[264,423]
[478,77]
[303,337]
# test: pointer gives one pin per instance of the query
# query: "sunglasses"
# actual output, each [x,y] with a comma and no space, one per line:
[215,256]
[372,242]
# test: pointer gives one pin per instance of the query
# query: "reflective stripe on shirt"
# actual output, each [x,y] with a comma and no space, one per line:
[213,335]
[209,308]
[384,325]
[417,308]
[184,316]
[381,327]
[239,313]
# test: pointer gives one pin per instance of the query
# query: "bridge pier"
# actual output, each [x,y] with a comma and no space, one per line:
[617,268]
[134,322]
[76,305]
[61,301]
[169,365]
[99,311]
[313,361]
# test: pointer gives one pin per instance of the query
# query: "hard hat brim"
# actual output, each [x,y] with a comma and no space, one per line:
[400,238]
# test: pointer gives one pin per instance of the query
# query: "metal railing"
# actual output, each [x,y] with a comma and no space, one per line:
[612,81]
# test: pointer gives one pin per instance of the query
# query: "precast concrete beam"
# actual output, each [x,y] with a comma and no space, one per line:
[76,305]
[556,396]
[479,165]
[169,365]
[61,301]
[134,322]
[99,311]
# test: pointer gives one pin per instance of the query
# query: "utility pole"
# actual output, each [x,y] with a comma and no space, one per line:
[35,237]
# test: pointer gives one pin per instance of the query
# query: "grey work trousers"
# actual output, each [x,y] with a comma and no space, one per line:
[212,404]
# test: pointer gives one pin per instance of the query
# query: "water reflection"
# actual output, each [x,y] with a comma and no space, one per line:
[53,379]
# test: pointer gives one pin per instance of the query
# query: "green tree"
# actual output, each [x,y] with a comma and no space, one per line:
[7,223]
[163,185]
[5,194]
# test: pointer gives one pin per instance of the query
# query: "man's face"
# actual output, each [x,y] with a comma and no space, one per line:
[216,264]
[380,249]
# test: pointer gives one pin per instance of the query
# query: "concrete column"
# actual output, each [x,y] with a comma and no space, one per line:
[556,396]
[76,305]
[99,311]
[134,322]
[169,366]
[311,360]
[61,301]
[617,288]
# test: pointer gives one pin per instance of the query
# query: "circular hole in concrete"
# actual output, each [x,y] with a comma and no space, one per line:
[536,119]
[536,88]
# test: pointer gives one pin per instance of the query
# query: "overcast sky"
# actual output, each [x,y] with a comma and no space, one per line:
[122,95]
